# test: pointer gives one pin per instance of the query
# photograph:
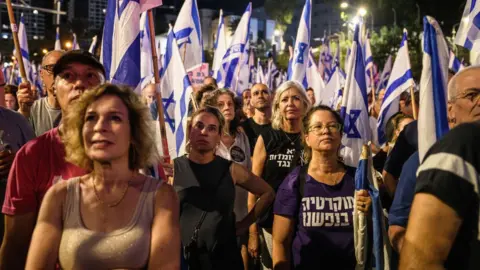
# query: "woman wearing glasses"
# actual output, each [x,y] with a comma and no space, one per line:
[314,205]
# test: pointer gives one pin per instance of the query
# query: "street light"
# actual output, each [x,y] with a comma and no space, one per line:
[44,51]
[362,11]
[344,5]
[68,45]
[35,11]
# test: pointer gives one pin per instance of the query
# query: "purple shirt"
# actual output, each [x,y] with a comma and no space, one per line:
[324,234]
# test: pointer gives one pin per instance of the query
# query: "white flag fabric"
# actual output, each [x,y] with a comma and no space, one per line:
[455,64]
[188,33]
[58,44]
[236,55]
[368,64]
[468,34]
[330,95]
[432,115]
[314,79]
[22,38]
[260,75]
[146,61]
[354,108]
[220,46]
[401,79]
[300,61]
[75,45]
[272,72]
[120,54]
[93,45]
[387,70]
[176,93]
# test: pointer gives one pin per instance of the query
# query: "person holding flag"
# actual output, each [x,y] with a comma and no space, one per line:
[45,113]
[315,232]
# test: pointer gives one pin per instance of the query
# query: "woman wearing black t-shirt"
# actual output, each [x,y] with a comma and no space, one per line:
[205,184]
[276,154]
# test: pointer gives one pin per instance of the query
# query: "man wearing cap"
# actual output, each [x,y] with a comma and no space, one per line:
[40,163]
[45,113]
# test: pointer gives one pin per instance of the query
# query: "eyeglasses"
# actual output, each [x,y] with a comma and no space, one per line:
[471,94]
[48,68]
[331,127]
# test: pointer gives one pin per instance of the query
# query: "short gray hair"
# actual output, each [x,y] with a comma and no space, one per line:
[452,85]
[50,52]
[277,118]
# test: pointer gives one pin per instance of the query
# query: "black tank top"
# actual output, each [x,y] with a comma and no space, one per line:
[208,187]
[283,155]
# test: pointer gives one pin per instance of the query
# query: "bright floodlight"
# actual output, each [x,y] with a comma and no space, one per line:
[44,51]
[35,11]
[362,12]
[68,44]
[344,5]
[355,20]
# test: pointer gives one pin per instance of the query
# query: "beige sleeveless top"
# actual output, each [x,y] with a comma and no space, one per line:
[125,248]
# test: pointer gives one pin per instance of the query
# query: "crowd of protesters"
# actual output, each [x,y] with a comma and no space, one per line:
[255,189]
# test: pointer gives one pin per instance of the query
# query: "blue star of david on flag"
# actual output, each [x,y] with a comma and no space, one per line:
[300,52]
[350,124]
[183,36]
[166,104]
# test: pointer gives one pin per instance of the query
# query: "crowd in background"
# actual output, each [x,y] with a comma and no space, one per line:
[262,184]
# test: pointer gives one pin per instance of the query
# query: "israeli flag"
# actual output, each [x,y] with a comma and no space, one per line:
[387,70]
[93,45]
[146,61]
[300,60]
[354,108]
[313,78]
[236,54]
[22,38]
[176,93]
[120,54]
[272,72]
[243,79]
[58,44]
[333,90]
[454,64]
[189,35]
[432,116]
[468,34]
[220,46]
[260,75]
[75,45]
[369,64]
[365,180]
[400,80]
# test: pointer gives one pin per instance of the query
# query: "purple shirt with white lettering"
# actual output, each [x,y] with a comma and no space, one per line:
[323,235]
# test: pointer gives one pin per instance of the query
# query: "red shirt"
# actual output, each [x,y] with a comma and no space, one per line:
[37,165]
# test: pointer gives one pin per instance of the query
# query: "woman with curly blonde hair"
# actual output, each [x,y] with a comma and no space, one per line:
[113,217]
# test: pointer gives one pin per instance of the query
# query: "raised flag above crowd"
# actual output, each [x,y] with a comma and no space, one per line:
[354,109]
[220,45]
[146,61]
[176,95]
[188,33]
[299,63]
[432,116]
[401,80]
[236,55]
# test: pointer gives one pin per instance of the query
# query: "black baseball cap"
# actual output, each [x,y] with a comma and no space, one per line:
[77,56]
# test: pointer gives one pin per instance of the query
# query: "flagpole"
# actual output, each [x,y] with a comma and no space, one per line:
[184,53]
[413,101]
[16,42]
[161,116]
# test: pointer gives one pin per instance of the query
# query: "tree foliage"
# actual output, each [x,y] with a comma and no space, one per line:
[281,11]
